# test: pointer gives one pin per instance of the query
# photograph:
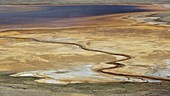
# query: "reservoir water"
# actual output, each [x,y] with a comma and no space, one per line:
[50,13]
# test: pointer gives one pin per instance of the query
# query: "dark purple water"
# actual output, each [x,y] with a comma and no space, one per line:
[62,12]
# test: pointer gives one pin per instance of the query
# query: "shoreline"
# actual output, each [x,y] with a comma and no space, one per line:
[112,26]
[83,21]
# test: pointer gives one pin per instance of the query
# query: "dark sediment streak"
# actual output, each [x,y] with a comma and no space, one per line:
[115,63]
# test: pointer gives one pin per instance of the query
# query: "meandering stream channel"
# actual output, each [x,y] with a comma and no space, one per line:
[115,63]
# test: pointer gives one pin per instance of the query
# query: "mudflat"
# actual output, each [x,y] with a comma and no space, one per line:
[94,51]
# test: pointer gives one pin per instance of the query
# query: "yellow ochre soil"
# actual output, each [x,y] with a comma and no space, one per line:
[147,45]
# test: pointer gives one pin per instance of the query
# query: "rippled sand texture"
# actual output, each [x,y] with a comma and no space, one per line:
[34,52]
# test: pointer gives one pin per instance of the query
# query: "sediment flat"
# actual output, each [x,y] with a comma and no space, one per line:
[86,52]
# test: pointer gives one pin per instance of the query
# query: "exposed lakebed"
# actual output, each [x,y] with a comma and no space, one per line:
[44,53]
